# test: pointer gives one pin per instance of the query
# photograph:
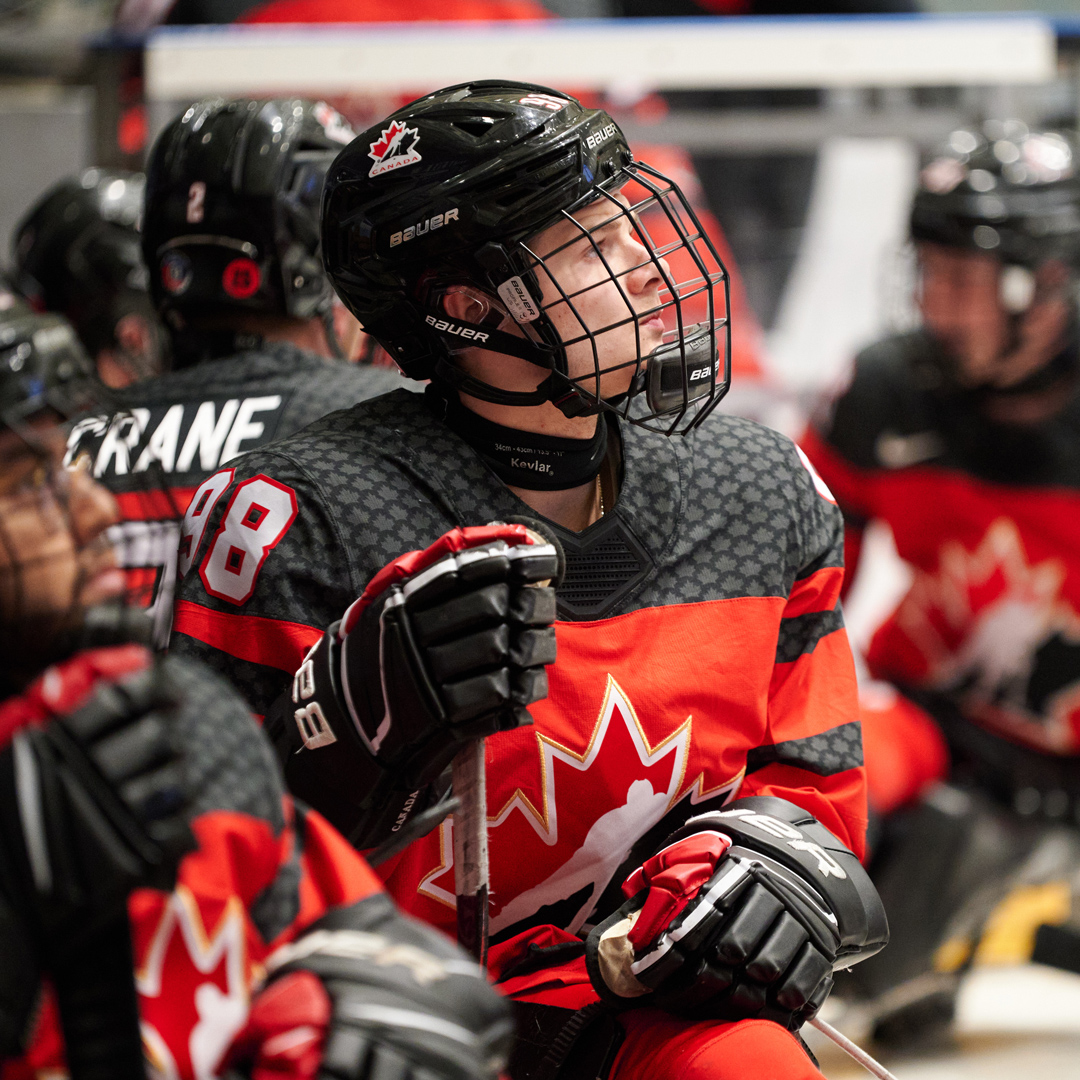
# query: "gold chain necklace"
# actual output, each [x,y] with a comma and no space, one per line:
[600,494]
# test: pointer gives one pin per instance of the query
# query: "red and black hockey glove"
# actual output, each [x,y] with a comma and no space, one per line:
[746,912]
[95,800]
[445,645]
[371,994]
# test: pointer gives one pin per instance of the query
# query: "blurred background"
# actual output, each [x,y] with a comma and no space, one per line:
[796,126]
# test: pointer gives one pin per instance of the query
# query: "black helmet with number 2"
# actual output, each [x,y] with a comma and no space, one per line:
[451,190]
[232,208]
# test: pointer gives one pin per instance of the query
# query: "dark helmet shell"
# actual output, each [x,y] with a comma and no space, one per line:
[232,208]
[77,252]
[490,165]
[43,366]
[1006,190]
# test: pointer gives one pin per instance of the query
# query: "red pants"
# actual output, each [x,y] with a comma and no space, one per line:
[658,1045]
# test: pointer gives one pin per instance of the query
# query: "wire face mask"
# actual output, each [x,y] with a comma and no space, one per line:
[59,586]
[51,547]
[665,319]
[625,300]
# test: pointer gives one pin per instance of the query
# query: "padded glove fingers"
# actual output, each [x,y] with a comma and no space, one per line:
[444,646]
[377,996]
[777,952]
[104,804]
[730,930]
[487,606]
[750,922]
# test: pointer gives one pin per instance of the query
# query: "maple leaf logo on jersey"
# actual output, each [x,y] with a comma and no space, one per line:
[394,148]
[205,974]
[992,628]
[578,828]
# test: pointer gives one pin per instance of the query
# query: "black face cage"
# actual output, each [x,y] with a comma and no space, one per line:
[306,288]
[32,635]
[673,387]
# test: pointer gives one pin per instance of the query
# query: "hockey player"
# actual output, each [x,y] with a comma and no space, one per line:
[76,251]
[231,236]
[252,923]
[961,435]
[497,238]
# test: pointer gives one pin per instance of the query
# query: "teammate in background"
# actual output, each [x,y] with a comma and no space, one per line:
[231,237]
[962,436]
[498,239]
[77,252]
[139,792]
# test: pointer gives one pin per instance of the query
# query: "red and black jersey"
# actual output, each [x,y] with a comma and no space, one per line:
[987,515]
[701,650]
[263,871]
[176,429]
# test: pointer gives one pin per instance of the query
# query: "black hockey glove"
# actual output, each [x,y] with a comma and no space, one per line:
[746,912]
[371,994]
[20,981]
[444,646]
[93,804]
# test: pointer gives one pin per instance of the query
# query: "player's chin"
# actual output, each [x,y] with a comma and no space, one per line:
[617,382]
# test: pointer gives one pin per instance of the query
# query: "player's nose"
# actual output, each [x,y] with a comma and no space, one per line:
[649,271]
[93,508]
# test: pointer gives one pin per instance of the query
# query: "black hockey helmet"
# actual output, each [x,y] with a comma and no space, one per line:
[1013,193]
[232,208]
[1005,190]
[77,252]
[43,368]
[451,189]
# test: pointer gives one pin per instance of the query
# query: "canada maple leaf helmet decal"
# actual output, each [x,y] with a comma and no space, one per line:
[394,148]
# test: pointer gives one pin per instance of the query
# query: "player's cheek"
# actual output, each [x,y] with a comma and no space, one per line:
[46,577]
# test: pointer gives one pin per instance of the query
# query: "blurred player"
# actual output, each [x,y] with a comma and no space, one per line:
[77,252]
[122,772]
[231,236]
[497,238]
[962,436]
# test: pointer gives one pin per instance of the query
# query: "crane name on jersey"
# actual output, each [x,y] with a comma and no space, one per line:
[192,436]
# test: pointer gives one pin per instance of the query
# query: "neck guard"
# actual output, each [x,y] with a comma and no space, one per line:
[523,459]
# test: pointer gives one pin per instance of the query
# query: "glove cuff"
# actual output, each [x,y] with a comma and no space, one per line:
[326,762]
[609,954]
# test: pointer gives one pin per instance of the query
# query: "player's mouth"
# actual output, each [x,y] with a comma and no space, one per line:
[103,579]
[105,584]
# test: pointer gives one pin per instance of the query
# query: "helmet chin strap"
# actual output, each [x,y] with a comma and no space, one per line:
[557,388]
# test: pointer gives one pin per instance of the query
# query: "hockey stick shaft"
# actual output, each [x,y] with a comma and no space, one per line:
[861,1056]
[471,849]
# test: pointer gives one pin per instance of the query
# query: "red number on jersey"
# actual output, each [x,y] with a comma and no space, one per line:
[258,516]
[198,514]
